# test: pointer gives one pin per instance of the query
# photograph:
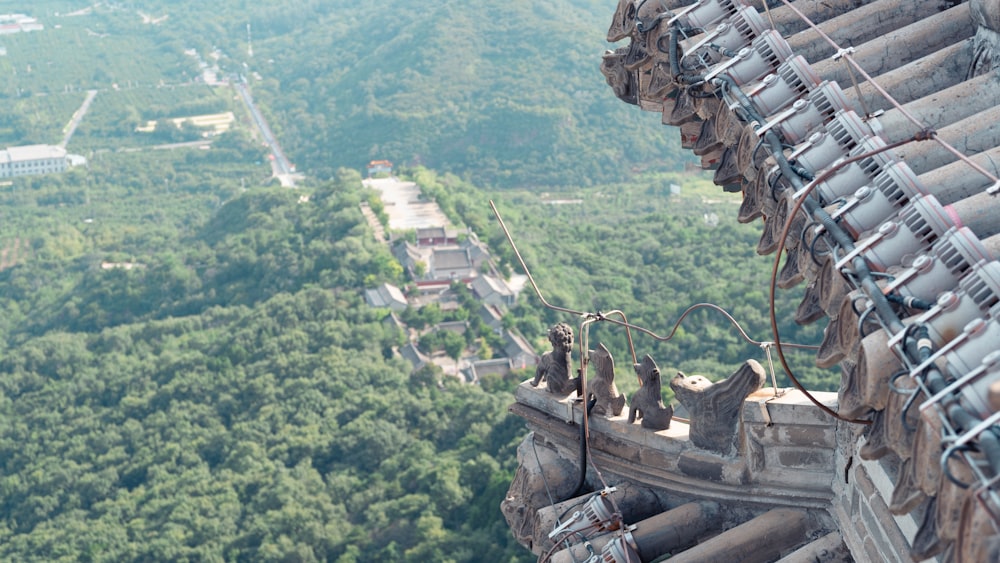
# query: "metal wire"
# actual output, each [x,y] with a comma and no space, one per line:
[590,318]
[909,116]
[767,9]
[624,323]
[777,265]
[545,481]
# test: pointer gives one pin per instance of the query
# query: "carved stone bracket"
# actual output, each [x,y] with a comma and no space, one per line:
[541,472]
[715,407]
[986,42]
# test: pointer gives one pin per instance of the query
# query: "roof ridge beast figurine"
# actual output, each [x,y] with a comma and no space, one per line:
[555,366]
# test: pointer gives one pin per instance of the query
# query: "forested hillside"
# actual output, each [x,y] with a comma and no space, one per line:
[277,431]
[232,398]
[509,93]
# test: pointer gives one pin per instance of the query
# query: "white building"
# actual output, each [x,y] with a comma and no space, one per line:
[33,159]
[16,23]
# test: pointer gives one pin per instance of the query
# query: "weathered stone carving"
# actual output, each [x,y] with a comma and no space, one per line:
[791,273]
[986,43]
[715,407]
[660,81]
[602,386]
[637,56]
[927,450]
[541,471]
[951,499]
[875,446]
[926,542]
[979,541]
[623,22]
[555,366]
[898,437]
[809,310]
[901,433]
[618,77]
[647,404]
[906,496]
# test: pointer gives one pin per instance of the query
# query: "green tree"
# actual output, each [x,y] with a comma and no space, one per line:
[453,344]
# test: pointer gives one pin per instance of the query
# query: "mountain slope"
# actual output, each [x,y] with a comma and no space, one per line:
[509,92]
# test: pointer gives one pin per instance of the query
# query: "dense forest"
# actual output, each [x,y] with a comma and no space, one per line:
[277,431]
[233,398]
[187,368]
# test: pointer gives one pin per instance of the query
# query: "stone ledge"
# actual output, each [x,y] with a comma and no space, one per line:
[798,436]
[571,410]
[794,470]
[792,407]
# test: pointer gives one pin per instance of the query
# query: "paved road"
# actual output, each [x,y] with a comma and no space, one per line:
[77,116]
[283,168]
[280,165]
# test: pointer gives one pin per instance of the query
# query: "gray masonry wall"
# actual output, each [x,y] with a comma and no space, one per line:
[790,454]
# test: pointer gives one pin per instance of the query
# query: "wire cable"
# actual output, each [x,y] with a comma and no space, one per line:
[845,53]
[832,229]
[590,318]
[624,323]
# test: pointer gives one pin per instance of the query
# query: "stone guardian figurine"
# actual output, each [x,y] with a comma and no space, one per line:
[602,386]
[555,366]
[647,403]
